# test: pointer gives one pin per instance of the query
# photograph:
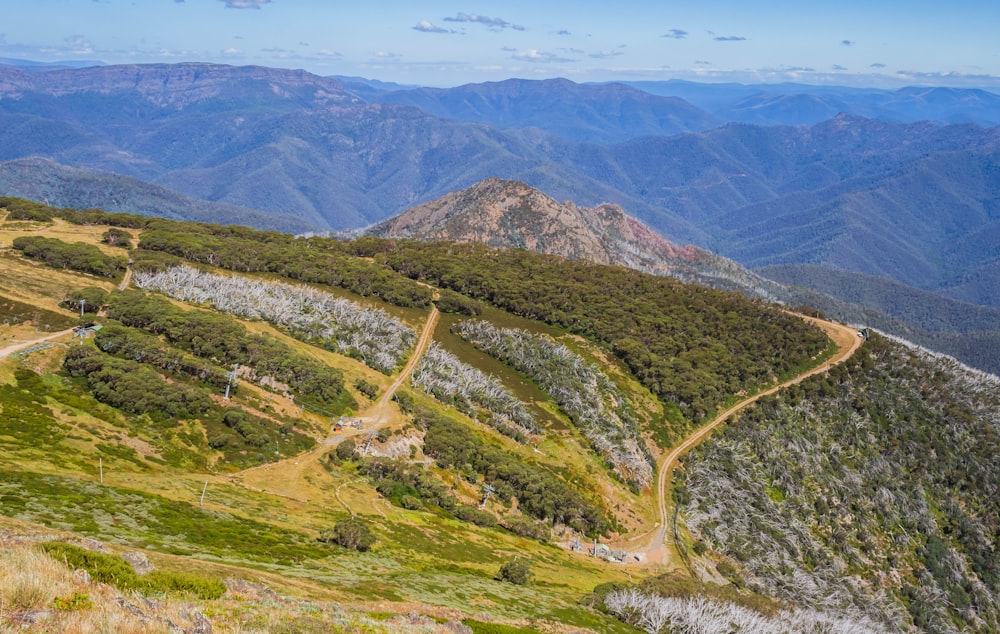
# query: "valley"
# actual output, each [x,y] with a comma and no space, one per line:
[283,352]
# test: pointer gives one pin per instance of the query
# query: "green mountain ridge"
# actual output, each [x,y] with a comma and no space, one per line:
[204,485]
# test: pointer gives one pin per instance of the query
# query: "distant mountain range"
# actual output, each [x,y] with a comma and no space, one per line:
[802,104]
[81,188]
[863,190]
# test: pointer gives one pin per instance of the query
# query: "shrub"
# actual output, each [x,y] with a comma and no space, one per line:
[367,388]
[93,299]
[411,503]
[184,582]
[117,238]
[345,450]
[101,567]
[350,533]
[476,516]
[524,526]
[516,571]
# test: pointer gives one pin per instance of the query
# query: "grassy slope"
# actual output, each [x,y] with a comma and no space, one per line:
[52,473]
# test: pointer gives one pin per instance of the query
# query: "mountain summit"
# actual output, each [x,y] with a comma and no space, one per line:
[512,214]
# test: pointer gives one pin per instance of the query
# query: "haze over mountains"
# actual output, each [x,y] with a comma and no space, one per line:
[881,183]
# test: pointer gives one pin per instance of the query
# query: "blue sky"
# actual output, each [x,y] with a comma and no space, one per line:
[438,43]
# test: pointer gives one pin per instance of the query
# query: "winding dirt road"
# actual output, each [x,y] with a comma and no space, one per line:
[287,477]
[664,551]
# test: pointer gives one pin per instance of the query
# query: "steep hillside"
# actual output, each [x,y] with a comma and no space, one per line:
[851,192]
[512,214]
[247,414]
[259,384]
[879,500]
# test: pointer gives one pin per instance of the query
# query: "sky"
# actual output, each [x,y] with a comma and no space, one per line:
[877,43]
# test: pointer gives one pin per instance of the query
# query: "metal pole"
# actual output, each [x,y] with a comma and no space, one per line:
[201,502]
[101,463]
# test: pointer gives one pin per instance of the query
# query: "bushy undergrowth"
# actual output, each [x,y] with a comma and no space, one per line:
[156,522]
[224,341]
[471,391]
[138,389]
[871,491]
[595,405]
[539,493]
[367,334]
[115,571]
[77,256]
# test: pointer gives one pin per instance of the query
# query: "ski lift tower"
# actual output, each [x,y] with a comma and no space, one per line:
[487,490]
[232,379]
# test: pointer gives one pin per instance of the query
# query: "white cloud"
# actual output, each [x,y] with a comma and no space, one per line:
[245,4]
[606,54]
[79,45]
[493,23]
[539,57]
[232,52]
[427,27]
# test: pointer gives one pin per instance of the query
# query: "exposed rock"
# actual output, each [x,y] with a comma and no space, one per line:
[139,561]
[248,589]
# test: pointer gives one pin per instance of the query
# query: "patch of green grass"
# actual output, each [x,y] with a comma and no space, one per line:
[113,570]
[480,627]
[15,312]
[115,514]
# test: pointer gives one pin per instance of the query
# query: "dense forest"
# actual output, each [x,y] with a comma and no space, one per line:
[85,258]
[692,346]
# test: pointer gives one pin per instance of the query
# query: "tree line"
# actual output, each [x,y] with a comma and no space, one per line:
[220,338]
[539,493]
[692,346]
[368,334]
[76,256]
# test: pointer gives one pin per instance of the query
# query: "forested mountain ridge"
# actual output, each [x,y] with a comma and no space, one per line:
[529,348]
[915,202]
[513,214]
[604,114]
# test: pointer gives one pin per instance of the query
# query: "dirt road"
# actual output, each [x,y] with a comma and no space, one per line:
[662,549]
[17,347]
[289,477]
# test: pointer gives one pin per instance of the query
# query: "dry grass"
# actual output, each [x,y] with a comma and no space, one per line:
[38,593]
[36,283]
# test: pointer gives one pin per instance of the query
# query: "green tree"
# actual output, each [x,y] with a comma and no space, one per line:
[350,533]
[517,571]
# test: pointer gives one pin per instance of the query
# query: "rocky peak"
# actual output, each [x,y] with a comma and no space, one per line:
[512,214]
